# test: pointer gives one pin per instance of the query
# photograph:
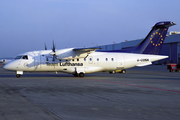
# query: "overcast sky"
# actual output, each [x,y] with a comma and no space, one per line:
[25,25]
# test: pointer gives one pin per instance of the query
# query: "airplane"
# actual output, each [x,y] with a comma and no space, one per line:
[5,61]
[81,61]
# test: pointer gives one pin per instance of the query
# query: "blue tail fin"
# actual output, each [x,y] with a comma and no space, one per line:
[154,40]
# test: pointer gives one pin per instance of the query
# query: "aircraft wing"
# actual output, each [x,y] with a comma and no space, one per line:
[85,50]
[73,53]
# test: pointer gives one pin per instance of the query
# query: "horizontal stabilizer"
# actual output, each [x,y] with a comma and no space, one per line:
[144,64]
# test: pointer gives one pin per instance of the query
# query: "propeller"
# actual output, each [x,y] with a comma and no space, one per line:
[53,49]
[45,49]
[45,46]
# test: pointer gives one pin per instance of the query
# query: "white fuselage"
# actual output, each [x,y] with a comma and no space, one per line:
[94,62]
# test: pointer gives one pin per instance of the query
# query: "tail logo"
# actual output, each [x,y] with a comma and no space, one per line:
[160,41]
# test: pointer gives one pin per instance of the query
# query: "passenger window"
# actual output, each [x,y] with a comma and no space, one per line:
[90,59]
[78,59]
[97,59]
[112,59]
[106,59]
[84,59]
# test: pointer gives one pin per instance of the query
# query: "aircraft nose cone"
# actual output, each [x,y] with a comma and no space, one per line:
[7,66]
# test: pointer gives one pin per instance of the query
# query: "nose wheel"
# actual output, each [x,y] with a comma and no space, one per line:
[18,75]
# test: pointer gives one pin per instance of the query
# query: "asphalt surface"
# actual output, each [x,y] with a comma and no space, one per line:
[146,93]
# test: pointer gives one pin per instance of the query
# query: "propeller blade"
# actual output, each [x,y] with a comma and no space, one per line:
[45,46]
[53,49]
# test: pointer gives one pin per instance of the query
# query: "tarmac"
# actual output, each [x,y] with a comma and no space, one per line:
[143,93]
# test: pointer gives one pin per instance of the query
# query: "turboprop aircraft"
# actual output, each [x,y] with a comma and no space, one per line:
[80,61]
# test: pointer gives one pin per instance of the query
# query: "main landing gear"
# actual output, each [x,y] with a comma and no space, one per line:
[118,71]
[123,71]
[79,75]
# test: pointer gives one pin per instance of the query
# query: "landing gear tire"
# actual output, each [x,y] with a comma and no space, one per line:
[123,71]
[18,75]
[112,72]
[81,74]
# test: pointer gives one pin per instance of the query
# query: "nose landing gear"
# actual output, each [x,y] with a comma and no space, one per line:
[18,75]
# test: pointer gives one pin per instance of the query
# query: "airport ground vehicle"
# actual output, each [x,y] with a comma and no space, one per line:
[173,67]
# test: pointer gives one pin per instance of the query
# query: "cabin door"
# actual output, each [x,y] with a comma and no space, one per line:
[37,61]
[120,62]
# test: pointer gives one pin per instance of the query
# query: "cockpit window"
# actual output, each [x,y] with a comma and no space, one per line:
[21,57]
[18,57]
[25,57]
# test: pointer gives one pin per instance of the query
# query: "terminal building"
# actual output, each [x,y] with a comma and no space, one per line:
[171,47]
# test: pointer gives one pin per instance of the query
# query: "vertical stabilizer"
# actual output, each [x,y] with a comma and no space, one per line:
[154,40]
